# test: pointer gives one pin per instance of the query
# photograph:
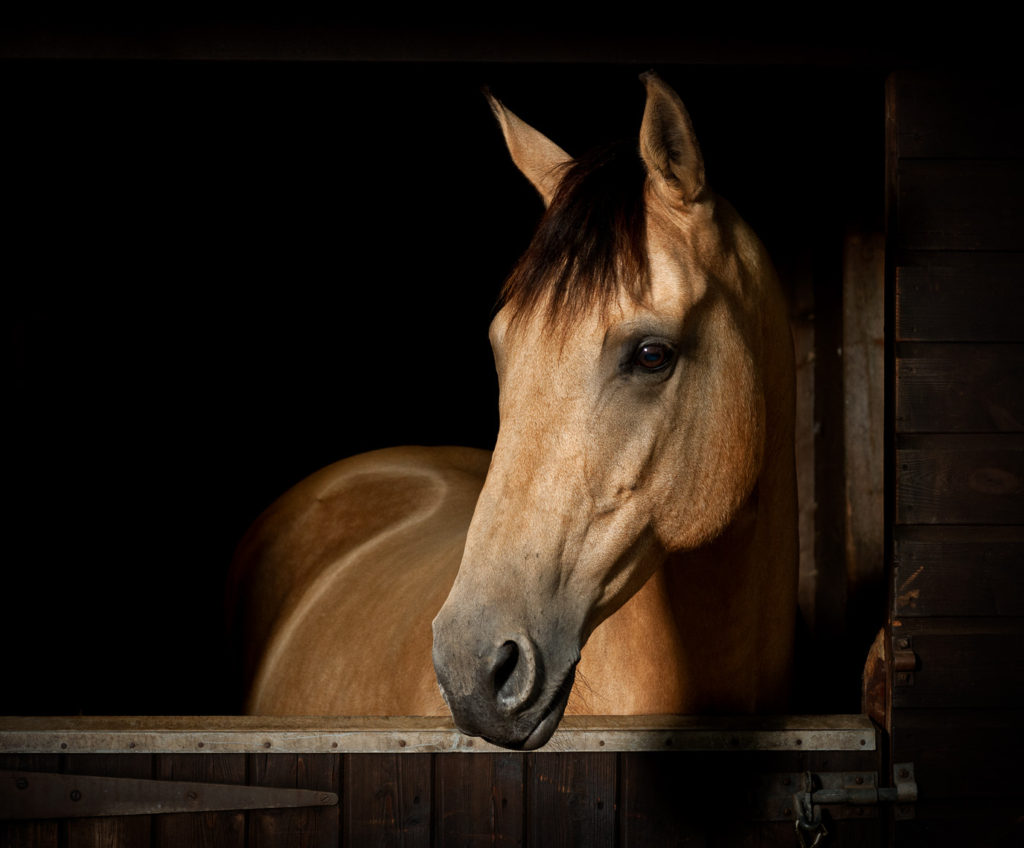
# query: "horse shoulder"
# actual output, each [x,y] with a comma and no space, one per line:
[342,576]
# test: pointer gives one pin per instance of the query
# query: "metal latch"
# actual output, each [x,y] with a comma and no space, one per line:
[40,795]
[808,803]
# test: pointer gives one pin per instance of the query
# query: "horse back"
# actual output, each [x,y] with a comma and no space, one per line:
[339,580]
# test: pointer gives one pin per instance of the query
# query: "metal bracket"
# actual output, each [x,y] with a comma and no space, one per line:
[904,660]
[40,795]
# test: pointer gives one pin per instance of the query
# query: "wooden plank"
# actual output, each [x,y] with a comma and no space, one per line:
[659,795]
[416,734]
[962,388]
[968,479]
[306,827]
[30,834]
[960,116]
[961,754]
[957,824]
[960,205]
[969,571]
[479,801]
[863,419]
[110,830]
[571,799]
[220,829]
[700,799]
[960,297]
[386,799]
[962,663]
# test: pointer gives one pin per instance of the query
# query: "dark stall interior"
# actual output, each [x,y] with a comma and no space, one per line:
[221,276]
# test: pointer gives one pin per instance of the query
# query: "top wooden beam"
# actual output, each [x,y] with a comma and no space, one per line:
[258,734]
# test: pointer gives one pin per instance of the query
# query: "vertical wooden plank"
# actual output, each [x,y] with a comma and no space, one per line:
[110,830]
[479,799]
[30,834]
[386,799]
[864,422]
[305,827]
[571,799]
[656,800]
[220,829]
[802,322]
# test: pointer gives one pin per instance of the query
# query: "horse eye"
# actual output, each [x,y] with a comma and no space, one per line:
[653,356]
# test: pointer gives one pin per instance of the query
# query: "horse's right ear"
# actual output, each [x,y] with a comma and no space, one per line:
[542,161]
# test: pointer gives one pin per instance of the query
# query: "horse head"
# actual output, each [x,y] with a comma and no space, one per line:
[628,344]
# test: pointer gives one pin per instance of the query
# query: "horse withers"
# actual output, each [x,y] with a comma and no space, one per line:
[630,545]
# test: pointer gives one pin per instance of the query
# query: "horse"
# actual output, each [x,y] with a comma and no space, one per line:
[629,546]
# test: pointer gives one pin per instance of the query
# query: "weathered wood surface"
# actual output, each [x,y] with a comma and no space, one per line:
[980,389]
[959,571]
[951,116]
[955,167]
[729,798]
[961,663]
[959,297]
[312,735]
[960,479]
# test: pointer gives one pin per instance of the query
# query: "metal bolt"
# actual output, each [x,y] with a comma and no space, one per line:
[904,773]
[859,781]
[192,795]
[21,783]
[76,795]
[904,643]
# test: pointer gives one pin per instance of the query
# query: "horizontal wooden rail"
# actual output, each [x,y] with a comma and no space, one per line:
[373,734]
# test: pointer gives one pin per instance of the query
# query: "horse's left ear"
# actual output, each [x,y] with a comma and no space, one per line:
[542,161]
[668,145]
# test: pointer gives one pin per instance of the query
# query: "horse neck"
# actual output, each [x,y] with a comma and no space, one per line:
[734,601]
[712,629]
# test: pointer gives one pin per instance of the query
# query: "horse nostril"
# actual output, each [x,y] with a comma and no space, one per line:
[514,675]
[508,657]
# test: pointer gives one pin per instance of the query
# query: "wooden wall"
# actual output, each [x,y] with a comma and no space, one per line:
[956,236]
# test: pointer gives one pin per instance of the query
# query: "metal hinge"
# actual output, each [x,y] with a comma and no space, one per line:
[820,791]
[904,661]
[40,795]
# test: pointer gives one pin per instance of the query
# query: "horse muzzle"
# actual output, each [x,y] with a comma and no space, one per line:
[499,689]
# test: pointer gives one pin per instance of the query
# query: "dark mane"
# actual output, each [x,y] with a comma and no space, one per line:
[591,242]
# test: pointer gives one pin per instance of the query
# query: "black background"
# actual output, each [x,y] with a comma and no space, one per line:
[223,275]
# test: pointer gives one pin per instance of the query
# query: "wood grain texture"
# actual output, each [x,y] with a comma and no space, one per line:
[571,799]
[957,116]
[962,388]
[479,801]
[959,571]
[110,830]
[303,827]
[960,205]
[963,664]
[30,834]
[962,754]
[215,829]
[386,799]
[960,480]
[943,296]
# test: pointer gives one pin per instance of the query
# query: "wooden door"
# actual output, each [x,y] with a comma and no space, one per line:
[956,274]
